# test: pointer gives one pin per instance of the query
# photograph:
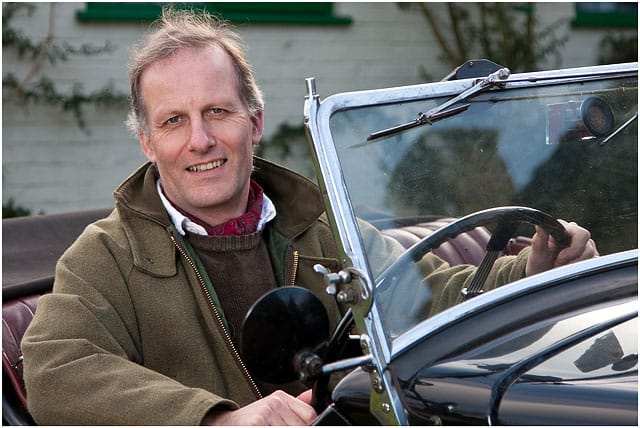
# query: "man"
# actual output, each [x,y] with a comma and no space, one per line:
[142,326]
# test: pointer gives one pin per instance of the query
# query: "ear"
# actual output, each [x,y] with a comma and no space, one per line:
[145,145]
[258,124]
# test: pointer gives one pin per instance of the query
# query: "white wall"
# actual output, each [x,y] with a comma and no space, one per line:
[50,165]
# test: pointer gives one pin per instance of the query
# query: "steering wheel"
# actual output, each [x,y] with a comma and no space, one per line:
[507,220]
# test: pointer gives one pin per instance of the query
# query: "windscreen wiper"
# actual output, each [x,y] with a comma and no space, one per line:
[619,129]
[442,111]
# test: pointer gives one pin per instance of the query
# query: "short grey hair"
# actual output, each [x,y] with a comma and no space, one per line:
[179,29]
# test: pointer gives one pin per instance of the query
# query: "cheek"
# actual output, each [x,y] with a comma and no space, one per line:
[167,149]
[239,140]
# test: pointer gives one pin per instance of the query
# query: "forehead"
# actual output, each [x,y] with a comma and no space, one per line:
[202,70]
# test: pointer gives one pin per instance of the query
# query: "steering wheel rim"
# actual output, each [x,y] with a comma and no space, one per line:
[507,215]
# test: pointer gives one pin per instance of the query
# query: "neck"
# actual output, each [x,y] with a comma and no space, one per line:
[220,214]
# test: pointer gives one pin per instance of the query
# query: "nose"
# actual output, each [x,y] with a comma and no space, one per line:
[201,137]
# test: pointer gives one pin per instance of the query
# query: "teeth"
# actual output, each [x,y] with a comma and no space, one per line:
[205,166]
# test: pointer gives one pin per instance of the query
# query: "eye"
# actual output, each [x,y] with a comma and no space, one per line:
[215,112]
[173,120]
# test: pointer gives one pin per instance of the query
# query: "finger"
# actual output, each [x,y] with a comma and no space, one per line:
[580,245]
[306,396]
[539,241]
[544,244]
[590,251]
[304,411]
[288,410]
[584,249]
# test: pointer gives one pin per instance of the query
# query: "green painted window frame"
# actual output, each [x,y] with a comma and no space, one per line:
[610,19]
[302,13]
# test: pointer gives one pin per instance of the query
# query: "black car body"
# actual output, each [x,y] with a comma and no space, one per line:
[560,353]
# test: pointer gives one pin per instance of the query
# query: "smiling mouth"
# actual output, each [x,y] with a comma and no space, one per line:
[206,166]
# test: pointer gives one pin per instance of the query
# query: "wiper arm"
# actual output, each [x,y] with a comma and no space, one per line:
[441,112]
[618,130]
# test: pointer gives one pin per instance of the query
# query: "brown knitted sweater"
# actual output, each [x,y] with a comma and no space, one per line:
[240,269]
[241,272]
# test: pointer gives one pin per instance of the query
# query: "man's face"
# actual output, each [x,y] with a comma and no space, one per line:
[200,135]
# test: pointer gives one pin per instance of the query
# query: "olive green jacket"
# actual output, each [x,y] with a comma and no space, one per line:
[130,336]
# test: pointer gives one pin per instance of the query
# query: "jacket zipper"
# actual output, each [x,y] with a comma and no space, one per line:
[218,318]
[295,257]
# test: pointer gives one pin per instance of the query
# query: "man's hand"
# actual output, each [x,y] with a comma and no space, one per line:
[278,408]
[545,254]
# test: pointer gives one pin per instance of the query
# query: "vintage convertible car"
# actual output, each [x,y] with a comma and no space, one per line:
[461,168]
[495,151]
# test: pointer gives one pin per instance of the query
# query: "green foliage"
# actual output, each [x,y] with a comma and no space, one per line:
[28,49]
[506,33]
[289,147]
[11,209]
[612,170]
[282,141]
[446,184]
[618,48]
[30,89]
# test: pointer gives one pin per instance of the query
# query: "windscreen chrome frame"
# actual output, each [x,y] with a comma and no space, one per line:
[317,115]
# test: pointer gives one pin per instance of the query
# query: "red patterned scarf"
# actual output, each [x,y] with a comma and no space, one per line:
[245,224]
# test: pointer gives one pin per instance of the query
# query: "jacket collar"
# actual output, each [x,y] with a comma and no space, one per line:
[297,199]
[145,220]
[146,223]
[138,195]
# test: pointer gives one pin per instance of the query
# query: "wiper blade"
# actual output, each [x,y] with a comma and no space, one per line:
[422,119]
[441,112]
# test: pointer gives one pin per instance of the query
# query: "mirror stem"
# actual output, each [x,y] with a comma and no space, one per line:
[346,364]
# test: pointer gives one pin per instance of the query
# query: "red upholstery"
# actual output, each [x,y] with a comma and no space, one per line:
[466,248]
[16,316]
[31,247]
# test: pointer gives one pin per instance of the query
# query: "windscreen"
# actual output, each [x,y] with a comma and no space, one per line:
[568,149]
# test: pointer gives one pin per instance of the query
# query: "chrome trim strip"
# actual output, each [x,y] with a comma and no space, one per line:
[437,89]
[343,221]
[515,289]
[339,207]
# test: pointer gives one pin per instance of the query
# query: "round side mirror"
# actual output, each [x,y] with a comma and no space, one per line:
[597,116]
[280,325]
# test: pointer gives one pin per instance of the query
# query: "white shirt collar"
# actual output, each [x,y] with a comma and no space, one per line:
[184,223]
